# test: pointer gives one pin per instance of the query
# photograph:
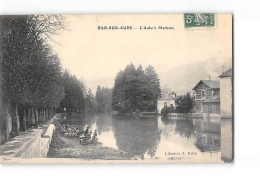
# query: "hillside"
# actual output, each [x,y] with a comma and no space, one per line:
[183,78]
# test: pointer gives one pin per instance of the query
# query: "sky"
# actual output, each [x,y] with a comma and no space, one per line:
[96,56]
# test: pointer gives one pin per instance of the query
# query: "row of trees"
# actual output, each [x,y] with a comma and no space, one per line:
[136,89]
[32,80]
[31,72]
[74,94]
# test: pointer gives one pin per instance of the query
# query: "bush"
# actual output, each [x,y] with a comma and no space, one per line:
[166,110]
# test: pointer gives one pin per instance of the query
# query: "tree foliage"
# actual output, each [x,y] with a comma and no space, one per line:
[136,89]
[74,93]
[185,104]
[90,103]
[103,98]
[31,71]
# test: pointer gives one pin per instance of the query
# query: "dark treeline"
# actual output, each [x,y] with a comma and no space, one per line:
[103,98]
[32,80]
[90,103]
[74,96]
[136,89]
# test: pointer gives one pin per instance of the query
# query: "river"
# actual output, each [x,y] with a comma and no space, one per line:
[194,140]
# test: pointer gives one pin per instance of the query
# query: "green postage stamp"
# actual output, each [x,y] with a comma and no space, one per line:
[199,20]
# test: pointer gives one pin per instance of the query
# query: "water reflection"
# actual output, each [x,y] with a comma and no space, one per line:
[185,128]
[208,135]
[137,136]
[152,138]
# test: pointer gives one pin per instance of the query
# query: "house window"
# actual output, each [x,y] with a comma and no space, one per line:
[203,93]
[165,104]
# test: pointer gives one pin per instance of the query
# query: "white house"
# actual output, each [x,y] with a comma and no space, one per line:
[226,94]
[166,100]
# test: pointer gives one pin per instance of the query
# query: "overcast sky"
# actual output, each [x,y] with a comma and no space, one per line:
[95,56]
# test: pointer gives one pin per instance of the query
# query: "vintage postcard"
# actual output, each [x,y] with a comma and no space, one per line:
[123,88]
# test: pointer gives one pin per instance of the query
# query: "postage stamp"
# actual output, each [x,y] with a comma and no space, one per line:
[199,20]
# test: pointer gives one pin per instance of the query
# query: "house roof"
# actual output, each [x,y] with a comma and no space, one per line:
[214,84]
[167,97]
[212,99]
[226,74]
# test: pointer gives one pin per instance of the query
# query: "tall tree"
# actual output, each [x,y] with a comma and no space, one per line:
[74,94]
[99,98]
[103,98]
[153,80]
[90,103]
[135,89]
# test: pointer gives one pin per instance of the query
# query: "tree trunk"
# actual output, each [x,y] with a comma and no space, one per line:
[42,118]
[4,130]
[21,115]
[15,120]
[35,114]
[32,117]
[47,114]
[49,109]
[28,117]
[52,112]
[24,119]
[7,133]
[40,114]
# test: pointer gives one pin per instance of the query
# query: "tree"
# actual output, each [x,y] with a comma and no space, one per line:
[99,98]
[154,81]
[74,89]
[103,98]
[90,103]
[184,104]
[135,89]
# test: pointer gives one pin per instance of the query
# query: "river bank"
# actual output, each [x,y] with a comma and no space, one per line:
[70,147]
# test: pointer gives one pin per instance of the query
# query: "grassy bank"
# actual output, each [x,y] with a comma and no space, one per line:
[70,147]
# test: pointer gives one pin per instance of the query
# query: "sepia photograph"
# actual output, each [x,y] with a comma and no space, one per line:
[117,88]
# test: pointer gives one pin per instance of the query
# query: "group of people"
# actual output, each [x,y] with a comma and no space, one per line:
[84,136]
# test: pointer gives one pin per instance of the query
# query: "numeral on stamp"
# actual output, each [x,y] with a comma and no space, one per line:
[199,20]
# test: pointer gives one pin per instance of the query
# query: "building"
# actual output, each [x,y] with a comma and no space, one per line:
[167,100]
[211,105]
[226,94]
[207,96]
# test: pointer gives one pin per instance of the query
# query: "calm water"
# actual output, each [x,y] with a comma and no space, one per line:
[160,138]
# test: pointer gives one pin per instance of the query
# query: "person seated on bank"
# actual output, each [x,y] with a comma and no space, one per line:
[86,133]
[66,132]
[94,138]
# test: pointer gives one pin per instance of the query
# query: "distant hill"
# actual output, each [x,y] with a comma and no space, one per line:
[183,78]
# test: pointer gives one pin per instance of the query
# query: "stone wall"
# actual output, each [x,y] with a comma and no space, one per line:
[29,144]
